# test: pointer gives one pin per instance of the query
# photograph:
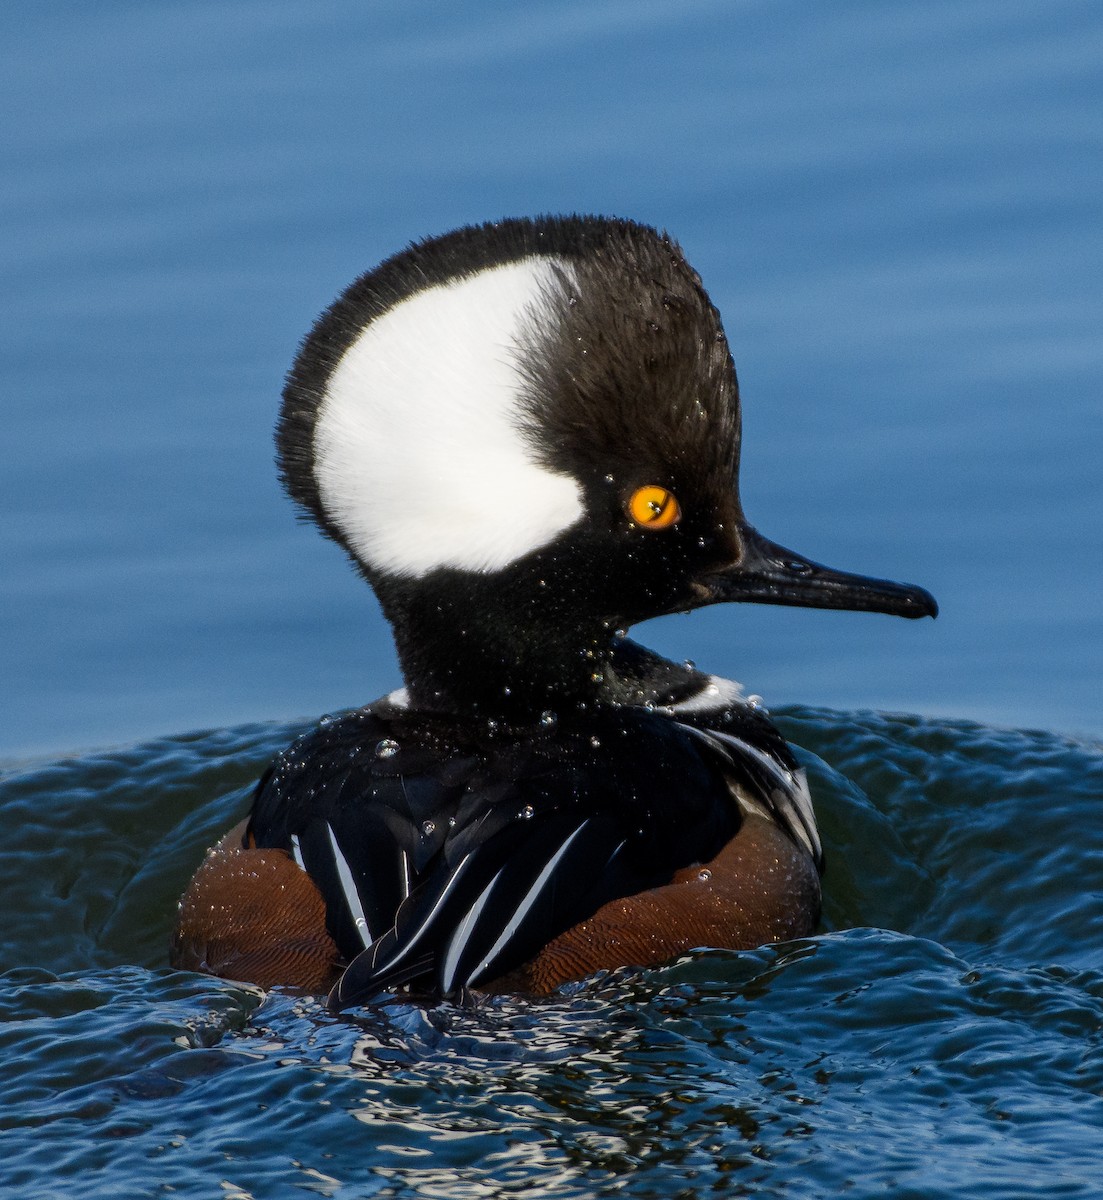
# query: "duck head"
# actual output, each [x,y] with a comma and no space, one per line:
[526,435]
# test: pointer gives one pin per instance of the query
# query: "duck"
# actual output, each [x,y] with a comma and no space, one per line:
[525,435]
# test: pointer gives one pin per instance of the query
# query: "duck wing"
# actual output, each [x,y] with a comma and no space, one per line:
[447,866]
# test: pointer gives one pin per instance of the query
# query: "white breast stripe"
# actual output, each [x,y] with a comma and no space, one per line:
[521,911]
[794,789]
[792,786]
[716,694]
[781,773]
[297,851]
[352,897]
[802,799]
[419,451]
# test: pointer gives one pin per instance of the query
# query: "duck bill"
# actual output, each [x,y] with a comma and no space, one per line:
[769,574]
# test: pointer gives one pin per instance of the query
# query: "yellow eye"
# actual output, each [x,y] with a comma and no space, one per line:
[653,507]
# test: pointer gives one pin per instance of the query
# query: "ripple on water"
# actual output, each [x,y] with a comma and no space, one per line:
[990,838]
[943,1037]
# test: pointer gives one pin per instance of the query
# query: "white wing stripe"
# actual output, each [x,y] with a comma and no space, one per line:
[352,896]
[406,888]
[522,910]
[448,889]
[463,931]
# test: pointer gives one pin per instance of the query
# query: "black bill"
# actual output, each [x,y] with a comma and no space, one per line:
[769,574]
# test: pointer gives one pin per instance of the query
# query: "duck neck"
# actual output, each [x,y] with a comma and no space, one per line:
[486,659]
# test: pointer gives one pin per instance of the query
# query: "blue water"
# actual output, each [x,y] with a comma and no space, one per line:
[896,208]
[942,1037]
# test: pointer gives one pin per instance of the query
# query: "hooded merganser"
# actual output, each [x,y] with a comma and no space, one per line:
[526,436]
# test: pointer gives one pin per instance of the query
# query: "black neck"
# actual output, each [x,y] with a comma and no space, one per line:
[464,649]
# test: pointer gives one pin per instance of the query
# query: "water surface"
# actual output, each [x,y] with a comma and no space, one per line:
[897,210]
[943,1037]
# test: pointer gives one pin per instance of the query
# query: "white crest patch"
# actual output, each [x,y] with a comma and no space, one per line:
[418,449]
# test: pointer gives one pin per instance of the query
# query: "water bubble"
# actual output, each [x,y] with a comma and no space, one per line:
[597,677]
[610,478]
[428,828]
[527,813]
[704,875]
[492,726]
[387,748]
[548,718]
[595,741]
[712,690]
[451,822]
[689,665]
[507,691]
[620,634]
[754,702]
